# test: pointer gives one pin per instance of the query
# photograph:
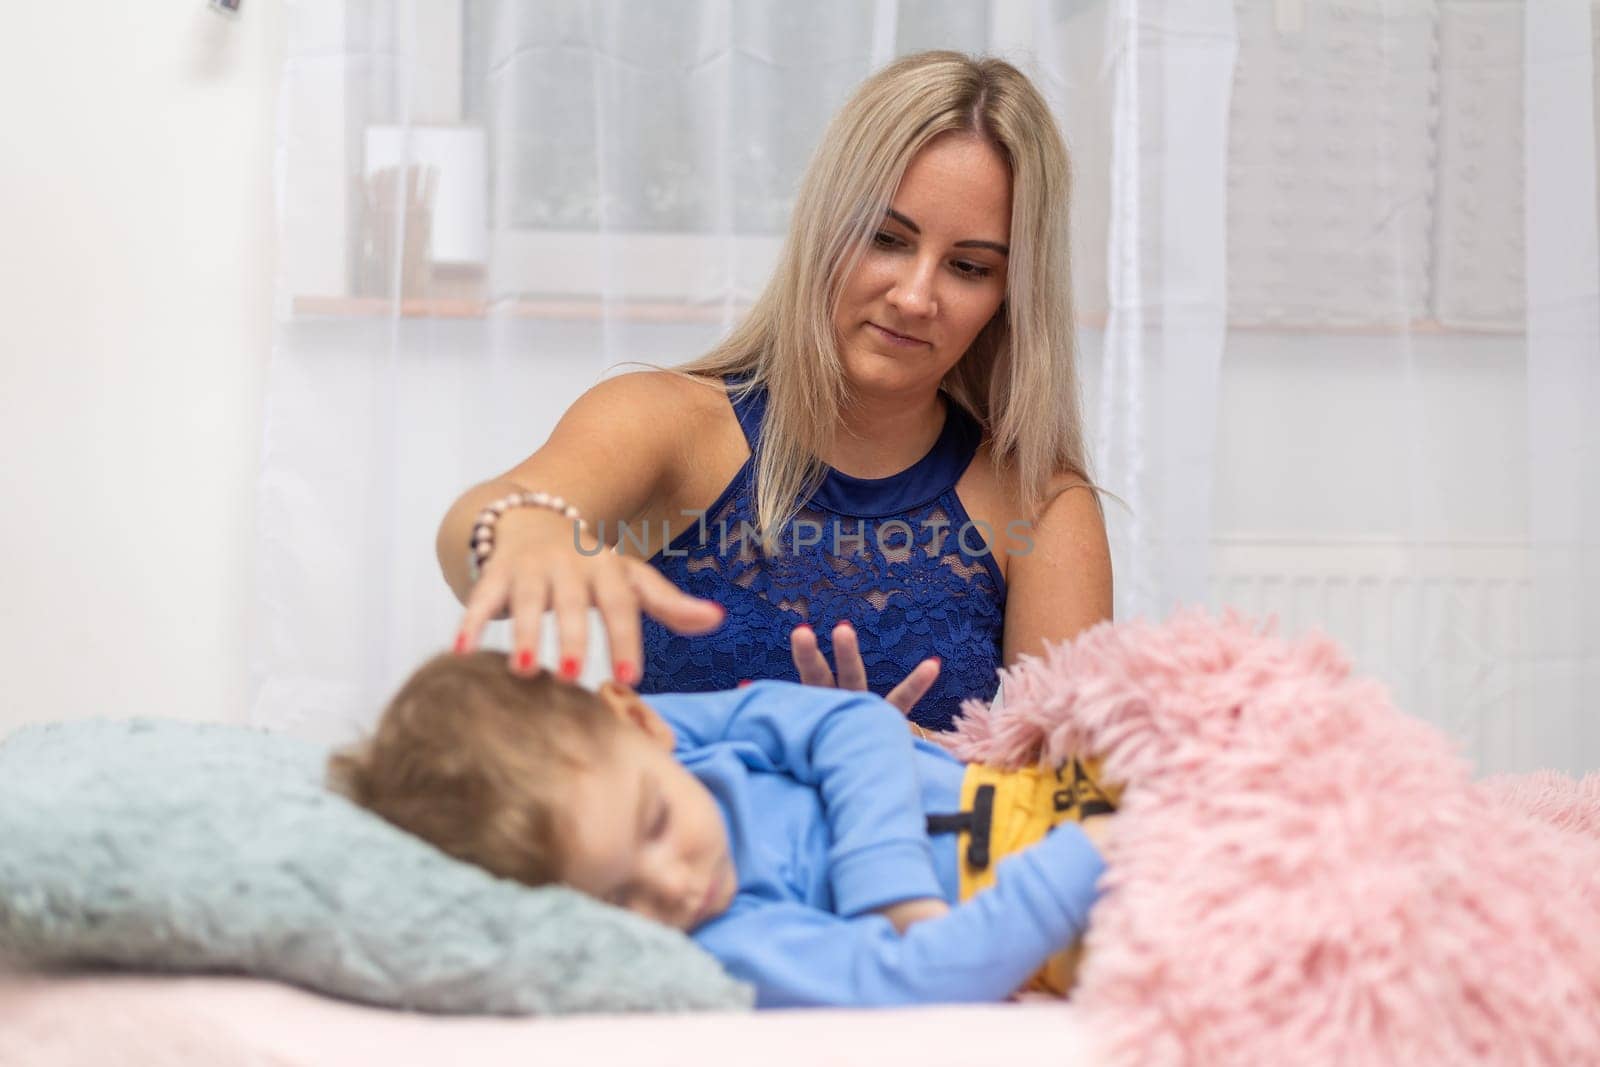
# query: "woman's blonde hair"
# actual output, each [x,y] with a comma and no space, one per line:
[1019,377]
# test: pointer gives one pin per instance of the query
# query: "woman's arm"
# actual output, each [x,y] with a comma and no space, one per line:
[614,453]
[1059,583]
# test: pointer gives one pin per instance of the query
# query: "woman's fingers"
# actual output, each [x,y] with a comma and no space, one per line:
[528,602]
[487,600]
[671,606]
[570,597]
[619,614]
[808,658]
[619,588]
[852,671]
[847,658]
[915,685]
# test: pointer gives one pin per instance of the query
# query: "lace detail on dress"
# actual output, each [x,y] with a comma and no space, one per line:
[914,584]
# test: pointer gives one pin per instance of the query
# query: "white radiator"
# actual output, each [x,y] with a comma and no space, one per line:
[1443,625]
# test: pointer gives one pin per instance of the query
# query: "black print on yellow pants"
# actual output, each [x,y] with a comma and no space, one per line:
[1006,811]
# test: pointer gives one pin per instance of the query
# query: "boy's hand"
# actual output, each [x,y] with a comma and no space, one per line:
[1096,828]
[908,912]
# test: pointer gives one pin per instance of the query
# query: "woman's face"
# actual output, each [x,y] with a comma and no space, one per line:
[934,274]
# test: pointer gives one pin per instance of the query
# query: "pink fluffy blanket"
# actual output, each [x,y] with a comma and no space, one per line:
[1300,873]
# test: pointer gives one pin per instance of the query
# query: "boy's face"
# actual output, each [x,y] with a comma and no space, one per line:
[647,836]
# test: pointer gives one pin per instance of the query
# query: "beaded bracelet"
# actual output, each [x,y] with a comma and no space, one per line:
[482,541]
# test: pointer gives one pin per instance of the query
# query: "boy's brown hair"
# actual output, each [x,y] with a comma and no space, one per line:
[472,759]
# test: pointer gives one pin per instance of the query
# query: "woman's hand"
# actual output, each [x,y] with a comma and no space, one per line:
[536,566]
[615,453]
[814,669]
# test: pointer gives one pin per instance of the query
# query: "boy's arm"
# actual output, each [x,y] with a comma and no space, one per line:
[907,913]
[982,950]
[855,749]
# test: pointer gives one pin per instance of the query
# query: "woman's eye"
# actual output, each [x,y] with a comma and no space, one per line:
[658,827]
[885,240]
[972,270]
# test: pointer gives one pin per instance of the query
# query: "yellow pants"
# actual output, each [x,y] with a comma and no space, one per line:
[1022,807]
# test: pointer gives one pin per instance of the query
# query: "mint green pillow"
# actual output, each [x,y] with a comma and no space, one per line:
[174,846]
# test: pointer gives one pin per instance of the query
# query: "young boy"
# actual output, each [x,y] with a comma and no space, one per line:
[798,834]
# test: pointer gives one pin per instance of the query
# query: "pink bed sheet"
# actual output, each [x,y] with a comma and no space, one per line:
[151,1021]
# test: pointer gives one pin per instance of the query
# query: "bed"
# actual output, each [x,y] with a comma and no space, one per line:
[151,1021]
[1301,873]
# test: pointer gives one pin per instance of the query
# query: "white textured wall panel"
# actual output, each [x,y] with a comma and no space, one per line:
[1480,249]
[1331,168]
[1444,625]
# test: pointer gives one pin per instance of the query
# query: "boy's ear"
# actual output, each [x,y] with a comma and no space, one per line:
[343,773]
[626,705]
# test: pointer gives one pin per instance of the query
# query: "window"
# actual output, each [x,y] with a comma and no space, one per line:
[1374,162]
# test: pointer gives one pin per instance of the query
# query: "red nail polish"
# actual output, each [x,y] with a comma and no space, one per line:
[569,668]
[743,682]
[804,626]
[461,643]
[937,661]
[623,673]
[845,623]
[524,660]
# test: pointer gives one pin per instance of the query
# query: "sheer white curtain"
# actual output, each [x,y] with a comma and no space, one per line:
[1336,273]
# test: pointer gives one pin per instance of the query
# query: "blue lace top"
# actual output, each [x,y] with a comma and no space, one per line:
[897,557]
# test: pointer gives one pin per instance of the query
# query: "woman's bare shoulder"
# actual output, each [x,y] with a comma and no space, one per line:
[986,475]
[689,411]
[650,405]
[651,390]
[1004,481]
[683,421]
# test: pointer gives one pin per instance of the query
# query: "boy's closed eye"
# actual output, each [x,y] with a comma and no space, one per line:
[655,817]
[651,817]
[659,822]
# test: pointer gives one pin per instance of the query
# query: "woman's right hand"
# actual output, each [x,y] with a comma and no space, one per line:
[537,566]
[616,452]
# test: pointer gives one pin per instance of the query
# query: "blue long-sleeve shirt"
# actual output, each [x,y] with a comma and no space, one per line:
[825,796]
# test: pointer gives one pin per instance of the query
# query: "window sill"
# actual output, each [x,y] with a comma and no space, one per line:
[594,309]
[377,307]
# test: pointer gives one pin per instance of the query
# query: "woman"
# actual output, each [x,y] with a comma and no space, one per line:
[884,460]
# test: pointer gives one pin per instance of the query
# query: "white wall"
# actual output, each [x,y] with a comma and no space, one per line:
[135,283]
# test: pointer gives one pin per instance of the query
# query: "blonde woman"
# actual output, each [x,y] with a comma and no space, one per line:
[882,467]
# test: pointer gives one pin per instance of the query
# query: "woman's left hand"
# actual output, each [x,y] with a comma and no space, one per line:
[852,673]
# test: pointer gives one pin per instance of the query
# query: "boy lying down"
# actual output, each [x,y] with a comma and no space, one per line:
[800,835]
